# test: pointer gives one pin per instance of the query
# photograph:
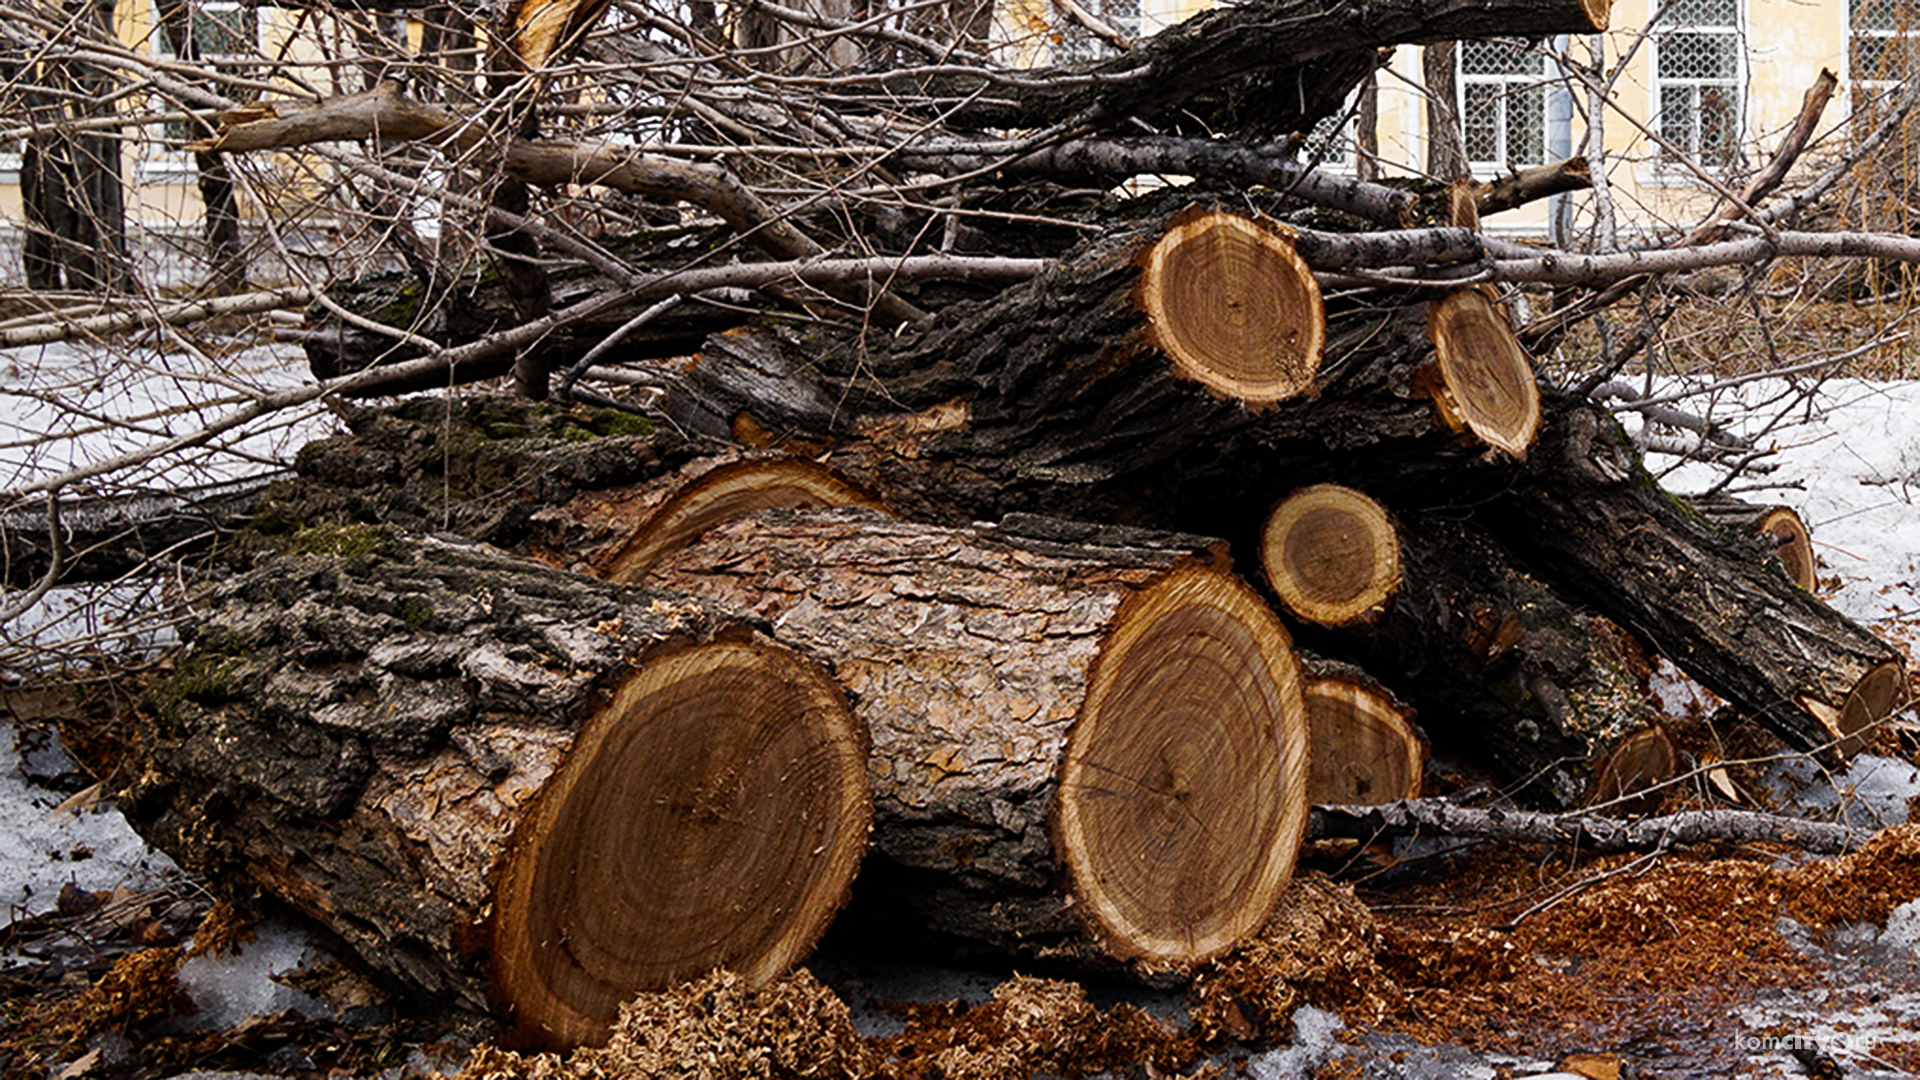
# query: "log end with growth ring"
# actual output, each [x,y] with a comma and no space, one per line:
[1331,554]
[1795,548]
[1365,749]
[1871,700]
[711,815]
[1183,790]
[1482,379]
[1630,780]
[727,492]
[1234,307]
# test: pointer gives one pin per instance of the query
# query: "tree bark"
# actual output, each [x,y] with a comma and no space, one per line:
[501,785]
[1587,514]
[1505,673]
[107,538]
[1225,64]
[70,182]
[1779,528]
[1588,832]
[1439,71]
[1089,744]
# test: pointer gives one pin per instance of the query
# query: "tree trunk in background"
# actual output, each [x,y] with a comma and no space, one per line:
[70,184]
[220,223]
[1446,148]
[1366,132]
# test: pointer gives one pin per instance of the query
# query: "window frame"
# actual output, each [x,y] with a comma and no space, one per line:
[1863,86]
[1510,82]
[1073,43]
[160,161]
[1665,167]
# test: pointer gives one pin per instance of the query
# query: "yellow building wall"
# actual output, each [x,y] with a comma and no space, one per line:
[1788,42]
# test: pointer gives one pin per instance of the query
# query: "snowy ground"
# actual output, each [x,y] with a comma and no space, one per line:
[1848,459]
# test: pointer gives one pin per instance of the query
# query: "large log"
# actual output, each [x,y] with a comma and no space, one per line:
[502,785]
[1504,671]
[1190,342]
[1720,606]
[1089,744]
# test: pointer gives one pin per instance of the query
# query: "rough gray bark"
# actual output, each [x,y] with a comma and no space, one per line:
[1586,514]
[352,734]
[1587,832]
[972,656]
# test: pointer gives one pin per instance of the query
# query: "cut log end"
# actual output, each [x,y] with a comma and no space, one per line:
[727,492]
[1183,790]
[1482,379]
[1234,307]
[1795,544]
[1628,780]
[1365,748]
[1872,699]
[1331,554]
[711,815]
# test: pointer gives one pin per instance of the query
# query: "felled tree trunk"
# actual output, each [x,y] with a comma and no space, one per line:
[1190,343]
[1781,528]
[1588,514]
[502,785]
[1504,672]
[1331,554]
[1089,744]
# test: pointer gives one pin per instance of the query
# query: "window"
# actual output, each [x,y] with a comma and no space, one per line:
[1074,42]
[1698,79]
[214,30]
[1880,44]
[1503,104]
[1331,141]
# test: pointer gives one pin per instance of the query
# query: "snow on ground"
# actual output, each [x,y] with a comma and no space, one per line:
[1848,459]
[63,406]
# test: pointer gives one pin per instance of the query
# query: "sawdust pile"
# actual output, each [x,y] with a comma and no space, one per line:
[716,1028]
[1036,1026]
[142,986]
[1322,948]
[1623,945]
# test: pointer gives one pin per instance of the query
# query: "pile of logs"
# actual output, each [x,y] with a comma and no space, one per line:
[1047,615]
[1059,736]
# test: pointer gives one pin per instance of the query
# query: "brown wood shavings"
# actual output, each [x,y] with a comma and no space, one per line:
[715,1028]
[1321,947]
[1036,1025]
[142,986]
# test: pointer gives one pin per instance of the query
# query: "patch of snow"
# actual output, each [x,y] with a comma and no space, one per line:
[42,848]
[1871,794]
[229,989]
[1315,1038]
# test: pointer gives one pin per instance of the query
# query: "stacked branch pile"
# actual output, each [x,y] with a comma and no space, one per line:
[786,642]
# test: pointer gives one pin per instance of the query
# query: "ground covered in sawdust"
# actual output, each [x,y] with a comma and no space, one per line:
[1538,958]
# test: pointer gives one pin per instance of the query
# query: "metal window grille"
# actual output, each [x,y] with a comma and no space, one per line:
[1699,80]
[1503,103]
[1331,140]
[1073,42]
[220,30]
[1881,40]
